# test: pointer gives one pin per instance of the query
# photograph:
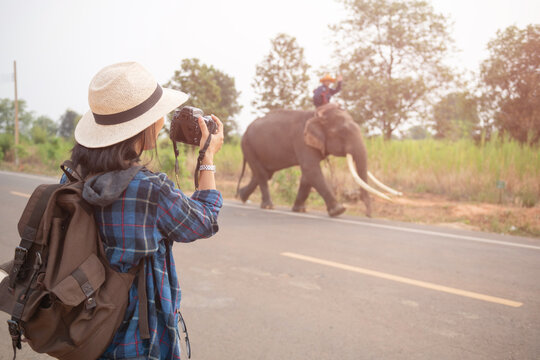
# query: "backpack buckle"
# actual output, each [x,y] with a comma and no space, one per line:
[20,255]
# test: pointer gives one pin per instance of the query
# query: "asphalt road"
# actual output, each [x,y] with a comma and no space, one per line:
[279,285]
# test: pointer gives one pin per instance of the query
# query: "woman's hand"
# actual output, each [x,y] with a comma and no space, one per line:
[215,142]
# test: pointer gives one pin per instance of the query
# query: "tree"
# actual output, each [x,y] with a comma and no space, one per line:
[47,124]
[456,116]
[43,128]
[210,90]
[511,80]
[68,121]
[7,116]
[417,132]
[281,79]
[391,56]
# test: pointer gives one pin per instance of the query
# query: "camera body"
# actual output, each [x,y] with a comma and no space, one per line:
[185,126]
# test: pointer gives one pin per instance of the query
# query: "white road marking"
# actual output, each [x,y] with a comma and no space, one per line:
[392,227]
[404,280]
[48,179]
[20,194]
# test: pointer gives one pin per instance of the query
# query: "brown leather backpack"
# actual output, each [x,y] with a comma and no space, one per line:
[63,297]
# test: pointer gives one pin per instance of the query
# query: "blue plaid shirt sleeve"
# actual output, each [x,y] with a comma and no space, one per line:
[184,219]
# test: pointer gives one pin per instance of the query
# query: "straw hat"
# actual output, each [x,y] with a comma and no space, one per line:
[328,77]
[124,100]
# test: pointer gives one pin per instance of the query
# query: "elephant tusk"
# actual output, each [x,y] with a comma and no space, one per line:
[361,182]
[382,186]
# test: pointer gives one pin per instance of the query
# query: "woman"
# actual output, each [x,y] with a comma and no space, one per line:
[139,213]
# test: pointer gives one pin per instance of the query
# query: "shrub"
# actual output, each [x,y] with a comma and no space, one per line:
[38,135]
[285,184]
[6,142]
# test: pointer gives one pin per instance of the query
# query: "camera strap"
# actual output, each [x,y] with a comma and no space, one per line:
[202,152]
[176,166]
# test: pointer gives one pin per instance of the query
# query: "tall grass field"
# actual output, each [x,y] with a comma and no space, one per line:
[498,171]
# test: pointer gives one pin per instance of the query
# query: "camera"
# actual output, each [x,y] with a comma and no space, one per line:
[185,126]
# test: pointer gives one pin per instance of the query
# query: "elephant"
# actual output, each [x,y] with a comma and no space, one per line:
[285,138]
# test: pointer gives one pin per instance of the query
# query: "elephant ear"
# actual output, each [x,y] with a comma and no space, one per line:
[314,134]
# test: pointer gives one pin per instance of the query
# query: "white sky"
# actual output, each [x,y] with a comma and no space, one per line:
[60,44]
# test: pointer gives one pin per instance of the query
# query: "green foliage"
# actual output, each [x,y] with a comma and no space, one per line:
[38,134]
[512,82]
[456,116]
[54,151]
[528,198]
[391,56]
[22,150]
[47,124]
[285,184]
[460,170]
[167,161]
[229,160]
[68,121]
[43,128]
[417,132]
[281,79]
[210,90]
[6,142]
[7,116]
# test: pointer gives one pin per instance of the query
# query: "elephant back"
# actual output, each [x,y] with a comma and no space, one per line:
[282,120]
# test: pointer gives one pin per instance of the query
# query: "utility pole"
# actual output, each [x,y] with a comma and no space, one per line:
[16,115]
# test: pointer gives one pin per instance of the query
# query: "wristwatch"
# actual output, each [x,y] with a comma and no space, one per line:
[207,168]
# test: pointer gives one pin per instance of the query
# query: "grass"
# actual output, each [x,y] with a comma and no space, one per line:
[458,171]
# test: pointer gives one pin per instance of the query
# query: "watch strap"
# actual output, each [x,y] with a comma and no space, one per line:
[207,168]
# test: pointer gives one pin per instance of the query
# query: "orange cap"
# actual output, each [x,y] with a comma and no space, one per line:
[328,77]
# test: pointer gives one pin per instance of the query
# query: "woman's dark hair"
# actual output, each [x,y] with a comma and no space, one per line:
[118,156]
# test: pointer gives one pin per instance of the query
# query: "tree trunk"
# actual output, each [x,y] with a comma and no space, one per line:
[387,133]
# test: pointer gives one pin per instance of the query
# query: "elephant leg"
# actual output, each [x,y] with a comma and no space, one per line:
[364,196]
[266,202]
[260,177]
[301,197]
[246,191]
[317,180]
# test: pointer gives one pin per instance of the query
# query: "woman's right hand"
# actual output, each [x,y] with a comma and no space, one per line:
[215,143]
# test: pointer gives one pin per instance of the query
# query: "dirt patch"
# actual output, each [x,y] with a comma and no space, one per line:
[428,209]
[437,210]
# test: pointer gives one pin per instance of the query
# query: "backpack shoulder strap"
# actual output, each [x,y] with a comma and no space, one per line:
[28,226]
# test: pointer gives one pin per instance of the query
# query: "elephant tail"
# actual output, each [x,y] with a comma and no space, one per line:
[241,176]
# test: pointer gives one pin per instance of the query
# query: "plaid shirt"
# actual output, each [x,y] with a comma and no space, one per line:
[143,224]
